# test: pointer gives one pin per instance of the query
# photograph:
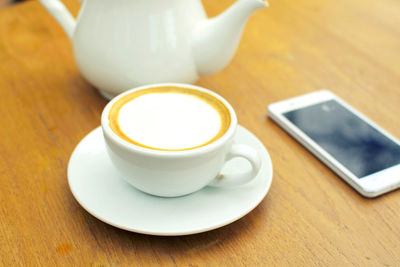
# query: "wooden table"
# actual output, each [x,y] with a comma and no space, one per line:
[309,218]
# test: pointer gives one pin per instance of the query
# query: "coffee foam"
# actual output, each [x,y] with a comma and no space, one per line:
[169,118]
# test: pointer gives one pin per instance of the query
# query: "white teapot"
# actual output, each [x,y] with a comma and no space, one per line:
[121,44]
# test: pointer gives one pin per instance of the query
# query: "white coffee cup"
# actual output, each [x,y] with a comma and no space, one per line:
[178,173]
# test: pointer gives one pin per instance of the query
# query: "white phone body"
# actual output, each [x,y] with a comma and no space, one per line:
[370,185]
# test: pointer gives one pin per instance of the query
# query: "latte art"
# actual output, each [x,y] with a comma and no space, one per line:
[169,118]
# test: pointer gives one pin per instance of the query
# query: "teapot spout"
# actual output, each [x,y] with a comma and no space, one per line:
[61,15]
[214,41]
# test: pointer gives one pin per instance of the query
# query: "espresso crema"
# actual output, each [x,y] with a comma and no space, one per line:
[169,118]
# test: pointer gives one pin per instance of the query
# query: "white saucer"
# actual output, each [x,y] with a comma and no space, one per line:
[98,188]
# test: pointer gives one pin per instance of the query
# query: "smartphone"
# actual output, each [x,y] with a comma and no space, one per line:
[359,151]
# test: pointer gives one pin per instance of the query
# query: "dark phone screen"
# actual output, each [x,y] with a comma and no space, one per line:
[350,140]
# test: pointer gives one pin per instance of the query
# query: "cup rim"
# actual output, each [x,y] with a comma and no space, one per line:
[161,153]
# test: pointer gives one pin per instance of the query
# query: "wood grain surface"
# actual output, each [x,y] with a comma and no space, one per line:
[309,218]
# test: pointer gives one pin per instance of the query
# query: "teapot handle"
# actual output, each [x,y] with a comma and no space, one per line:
[61,14]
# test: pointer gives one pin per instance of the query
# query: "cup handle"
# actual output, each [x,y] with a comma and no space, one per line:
[243,151]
